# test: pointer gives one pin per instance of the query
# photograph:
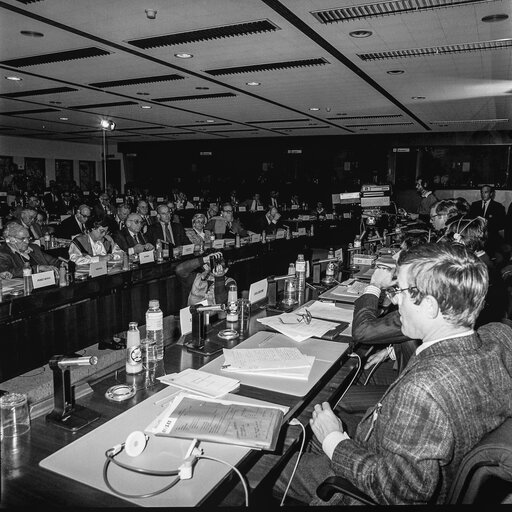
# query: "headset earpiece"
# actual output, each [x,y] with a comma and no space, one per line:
[135,443]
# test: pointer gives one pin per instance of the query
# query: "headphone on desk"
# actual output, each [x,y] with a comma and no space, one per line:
[134,445]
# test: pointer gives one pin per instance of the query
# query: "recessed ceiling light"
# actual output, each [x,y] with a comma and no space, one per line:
[492,18]
[314,108]
[395,72]
[210,121]
[31,33]
[63,118]
[183,55]
[418,98]
[145,106]
[143,93]
[14,78]
[252,83]
[203,88]
[360,33]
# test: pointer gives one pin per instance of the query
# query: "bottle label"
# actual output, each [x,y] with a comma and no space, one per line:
[300,266]
[27,272]
[330,269]
[134,355]
[154,321]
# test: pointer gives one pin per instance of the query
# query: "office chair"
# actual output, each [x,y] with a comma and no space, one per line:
[491,458]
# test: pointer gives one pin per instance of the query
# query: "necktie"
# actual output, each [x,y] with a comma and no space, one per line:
[484,207]
[168,234]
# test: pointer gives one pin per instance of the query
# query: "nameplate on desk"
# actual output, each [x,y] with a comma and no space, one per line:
[119,200]
[218,243]
[295,206]
[346,215]
[152,213]
[146,257]
[86,192]
[213,204]
[64,217]
[258,291]
[43,279]
[195,198]
[187,249]
[255,238]
[302,231]
[3,194]
[260,208]
[242,209]
[338,254]
[160,199]
[98,269]
[329,216]
[186,318]
[280,233]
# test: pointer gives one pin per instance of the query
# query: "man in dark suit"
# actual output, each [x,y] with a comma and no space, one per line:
[165,230]
[66,204]
[147,219]
[17,251]
[51,201]
[225,225]
[103,207]
[131,239]
[270,222]
[27,218]
[75,224]
[408,447]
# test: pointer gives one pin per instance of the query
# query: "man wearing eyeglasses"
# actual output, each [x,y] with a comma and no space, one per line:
[131,239]
[455,389]
[17,251]
[74,225]
[225,225]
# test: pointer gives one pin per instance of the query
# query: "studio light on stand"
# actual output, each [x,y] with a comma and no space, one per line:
[107,126]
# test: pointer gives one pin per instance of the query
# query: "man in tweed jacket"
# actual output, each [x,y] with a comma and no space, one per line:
[455,389]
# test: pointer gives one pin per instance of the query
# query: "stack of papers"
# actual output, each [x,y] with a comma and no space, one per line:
[288,324]
[202,383]
[8,285]
[286,362]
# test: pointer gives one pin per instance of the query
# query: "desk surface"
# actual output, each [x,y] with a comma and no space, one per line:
[25,483]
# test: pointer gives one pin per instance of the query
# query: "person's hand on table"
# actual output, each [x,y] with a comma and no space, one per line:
[138,248]
[149,247]
[5,275]
[383,277]
[323,421]
[376,358]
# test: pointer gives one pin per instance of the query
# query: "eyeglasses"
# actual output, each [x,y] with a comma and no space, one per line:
[393,291]
[103,231]
[437,215]
[23,238]
[136,221]
[228,211]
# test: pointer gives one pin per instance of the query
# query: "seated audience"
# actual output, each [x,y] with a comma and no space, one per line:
[253,204]
[27,218]
[122,212]
[225,225]
[169,232]
[427,199]
[441,213]
[131,239]
[270,222]
[408,447]
[213,211]
[102,207]
[65,205]
[95,245]
[17,250]
[75,224]
[319,210]
[143,211]
[197,234]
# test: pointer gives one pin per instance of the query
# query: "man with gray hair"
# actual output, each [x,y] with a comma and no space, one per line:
[131,239]
[456,388]
[75,224]
[27,218]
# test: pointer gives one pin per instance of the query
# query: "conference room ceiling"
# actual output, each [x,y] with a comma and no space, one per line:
[424,66]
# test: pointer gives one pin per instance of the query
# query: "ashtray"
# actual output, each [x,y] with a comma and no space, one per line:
[15,293]
[120,393]
[228,334]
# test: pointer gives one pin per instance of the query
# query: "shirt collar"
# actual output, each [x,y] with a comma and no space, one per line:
[423,346]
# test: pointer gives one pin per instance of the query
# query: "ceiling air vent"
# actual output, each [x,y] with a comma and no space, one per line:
[197,125]
[438,50]
[26,2]
[139,128]
[198,97]
[268,67]
[233,131]
[26,112]
[194,36]
[83,53]
[470,121]
[377,125]
[280,121]
[102,105]
[376,9]
[38,92]
[301,127]
[385,116]
[137,81]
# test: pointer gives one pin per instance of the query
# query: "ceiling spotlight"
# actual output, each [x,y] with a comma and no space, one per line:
[14,78]
[492,18]
[210,121]
[145,106]
[252,83]
[360,33]
[183,55]
[106,124]
[151,14]
[418,98]
[31,33]
[63,118]
[395,72]
[314,108]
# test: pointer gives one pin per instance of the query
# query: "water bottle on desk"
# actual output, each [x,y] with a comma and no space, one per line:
[133,353]
[158,250]
[27,279]
[300,272]
[232,309]
[155,327]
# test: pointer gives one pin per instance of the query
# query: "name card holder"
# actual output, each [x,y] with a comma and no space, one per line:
[43,279]
[98,269]
[295,206]
[260,208]
[242,209]
[146,257]
[329,216]
[302,231]
[218,243]
[255,238]
[338,254]
[159,199]
[187,249]
[119,200]
[152,213]
[280,233]
[195,198]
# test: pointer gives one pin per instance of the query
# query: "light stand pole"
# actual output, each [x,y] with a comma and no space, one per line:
[106,125]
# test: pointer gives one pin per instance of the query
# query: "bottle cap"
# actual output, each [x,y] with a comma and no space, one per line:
[154,303]
[133,325]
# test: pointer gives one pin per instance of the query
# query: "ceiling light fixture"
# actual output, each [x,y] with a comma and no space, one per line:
[183,55]
[107,124]
[210,121]
[360,33]
[253,83]
[314,108]
[63,118]
[395,72]
[145,106]
[14,78]
[493,18]
[151,14]
[418,98]
[31,33]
